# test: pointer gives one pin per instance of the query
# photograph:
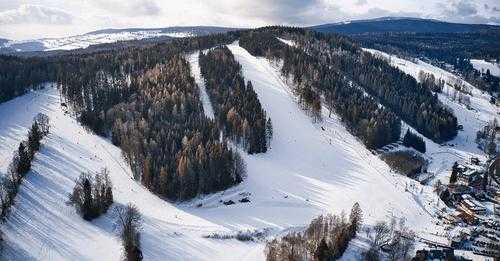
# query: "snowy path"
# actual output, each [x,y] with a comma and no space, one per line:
[198,78]
[307,172]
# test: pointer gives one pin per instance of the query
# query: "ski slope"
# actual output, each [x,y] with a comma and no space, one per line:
[198,78]
[311,169]
[479,113]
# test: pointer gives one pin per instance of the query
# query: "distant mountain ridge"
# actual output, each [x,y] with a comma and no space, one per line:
[399,25]
[105,36]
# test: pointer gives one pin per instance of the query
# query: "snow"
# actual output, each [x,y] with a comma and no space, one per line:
[480,112]
[482,66]
[86,40]
[287,42]
[196,73]
[307,172]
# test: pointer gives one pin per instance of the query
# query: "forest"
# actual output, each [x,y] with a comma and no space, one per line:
[148,103]
[313,79]
[18,75]
[338,58]
[455,49]
[237,108]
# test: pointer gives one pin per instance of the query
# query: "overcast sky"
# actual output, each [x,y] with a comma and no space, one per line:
[26,19]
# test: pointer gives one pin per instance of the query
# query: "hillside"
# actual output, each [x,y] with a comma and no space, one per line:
[399,25]
[311,169]
[105,36]
[184,128]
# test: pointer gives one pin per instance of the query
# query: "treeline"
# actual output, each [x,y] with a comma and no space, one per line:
[413,140]
[149,104]
[21,163]
[18,75]
[444,48]
[169,143]
[92,195]
[237,108]
[326,238]
[399,92]
[313,78]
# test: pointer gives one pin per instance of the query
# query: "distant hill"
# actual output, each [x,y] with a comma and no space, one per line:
[105,36]
[400,25]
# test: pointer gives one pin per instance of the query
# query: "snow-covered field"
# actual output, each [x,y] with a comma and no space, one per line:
[311,169]
[479,113]
[86,40]
[482,66]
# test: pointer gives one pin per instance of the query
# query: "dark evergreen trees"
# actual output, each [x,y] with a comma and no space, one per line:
[314,78]
[412,140]
[20,165]
[454,173]
[92,195]
[236,105]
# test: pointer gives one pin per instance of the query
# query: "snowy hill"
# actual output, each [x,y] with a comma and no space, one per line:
[399,24]
[311,169]
[104,36]
[473,117]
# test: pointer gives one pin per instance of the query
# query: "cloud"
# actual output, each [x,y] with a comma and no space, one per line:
[465,11]
[463,7]
[86,15]
[129,8]
[35,14]
[361,2]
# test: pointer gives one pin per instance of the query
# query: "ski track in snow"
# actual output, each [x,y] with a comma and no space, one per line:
[196,73]
[307,172]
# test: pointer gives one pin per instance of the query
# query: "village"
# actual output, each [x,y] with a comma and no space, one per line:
[472,215]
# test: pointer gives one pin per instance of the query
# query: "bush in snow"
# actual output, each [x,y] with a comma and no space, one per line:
[92,196]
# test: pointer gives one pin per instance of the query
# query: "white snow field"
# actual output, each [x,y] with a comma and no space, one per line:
[307,172]
[86,40]
[482,66]
[479,113]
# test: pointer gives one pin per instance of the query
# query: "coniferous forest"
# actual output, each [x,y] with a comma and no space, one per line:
[237,108]
[339,62]
[146,101]
[312,79]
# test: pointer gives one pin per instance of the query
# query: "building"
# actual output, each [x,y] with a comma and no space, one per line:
[470,209]
[436,254]
[469,177]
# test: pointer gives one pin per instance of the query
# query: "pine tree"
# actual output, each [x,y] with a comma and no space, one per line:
[34,138]
[454,173]
[269,132]
[323,252]
[355,219]
[87,207]
[24,160]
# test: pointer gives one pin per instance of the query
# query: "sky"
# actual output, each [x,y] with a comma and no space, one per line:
[29,19]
